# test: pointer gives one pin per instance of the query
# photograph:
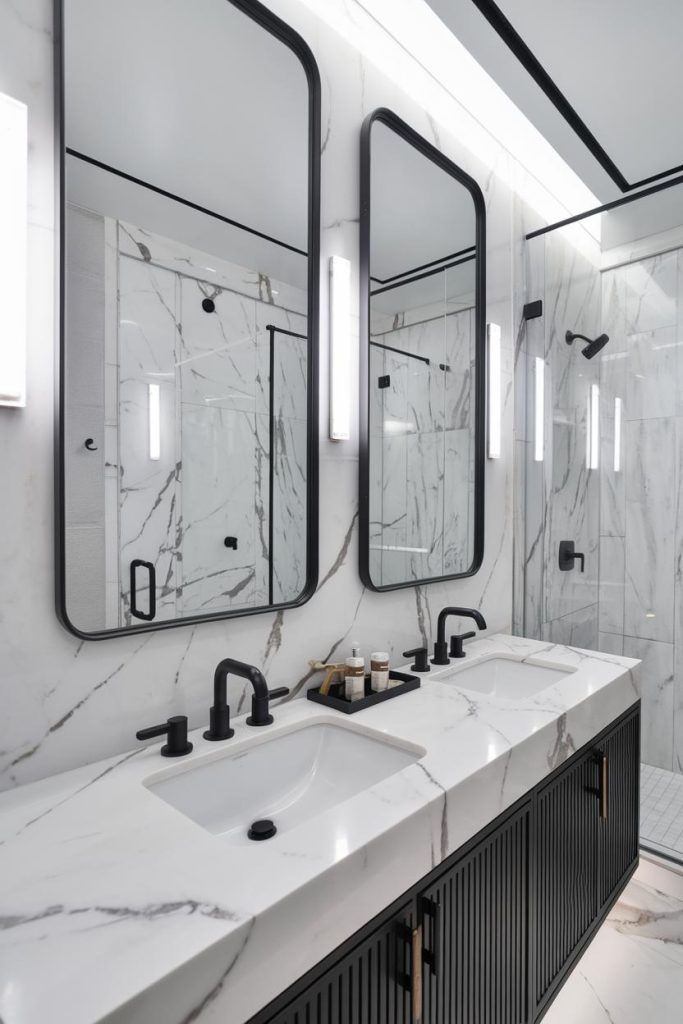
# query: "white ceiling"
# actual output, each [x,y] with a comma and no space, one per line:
[196,98]
[618,62]
[419,214]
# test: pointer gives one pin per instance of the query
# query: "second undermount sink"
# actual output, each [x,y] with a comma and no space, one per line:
[505,679]
[288,778]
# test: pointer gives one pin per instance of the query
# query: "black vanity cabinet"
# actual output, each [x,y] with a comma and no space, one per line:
[475,920]
[491,934]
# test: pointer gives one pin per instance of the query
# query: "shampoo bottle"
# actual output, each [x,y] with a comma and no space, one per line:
[354,675]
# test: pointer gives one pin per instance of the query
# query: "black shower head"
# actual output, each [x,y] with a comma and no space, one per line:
[593,346]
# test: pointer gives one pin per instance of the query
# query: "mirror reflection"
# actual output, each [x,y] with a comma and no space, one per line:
[423,327]
[186,337]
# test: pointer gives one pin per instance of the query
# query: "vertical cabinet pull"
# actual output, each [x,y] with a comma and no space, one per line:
[604,786]
[139,563]
[430,954]
[416,973]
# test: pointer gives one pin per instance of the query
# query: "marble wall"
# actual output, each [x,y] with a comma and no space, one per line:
[422,449]
[641,538]
[624,515]
[66,702]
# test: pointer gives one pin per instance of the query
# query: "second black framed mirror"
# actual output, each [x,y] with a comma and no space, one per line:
[423,355]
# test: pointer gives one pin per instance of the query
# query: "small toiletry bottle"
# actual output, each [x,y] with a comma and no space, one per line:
[379,670]
[354,675]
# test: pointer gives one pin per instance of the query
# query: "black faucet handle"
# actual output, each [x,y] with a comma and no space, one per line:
[421,655]
[456,650]
[219,724]
[176,731]
[279,691]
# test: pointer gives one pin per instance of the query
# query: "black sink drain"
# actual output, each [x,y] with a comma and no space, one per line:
[263,829]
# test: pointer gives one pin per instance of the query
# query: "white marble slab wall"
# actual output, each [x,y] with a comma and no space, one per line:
[422,512]
[68,702]
[559,494]
[640,532]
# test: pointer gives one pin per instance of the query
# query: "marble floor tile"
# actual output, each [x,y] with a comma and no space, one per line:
[632,973]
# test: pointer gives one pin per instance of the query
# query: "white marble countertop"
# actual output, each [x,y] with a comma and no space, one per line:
[114,906]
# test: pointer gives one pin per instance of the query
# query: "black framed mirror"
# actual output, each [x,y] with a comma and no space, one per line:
[423,352]
[187,452]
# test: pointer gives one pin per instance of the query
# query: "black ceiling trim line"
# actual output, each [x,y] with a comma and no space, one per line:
[631,198]
[179,199]
[428,273]
[524,55]
[425,266]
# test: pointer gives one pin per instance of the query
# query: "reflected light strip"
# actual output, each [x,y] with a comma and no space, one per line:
[494,391]
[539,407]
[617,435]
[592,432]
[154,402]
[340,349]
[13,230]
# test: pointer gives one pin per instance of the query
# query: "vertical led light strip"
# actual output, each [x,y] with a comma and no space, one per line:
[154,401]
[617,435]
[593,427]
[494,391]
[13,271]
[340,349]
[539,405]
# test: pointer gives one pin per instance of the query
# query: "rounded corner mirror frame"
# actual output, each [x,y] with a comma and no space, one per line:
[301,50]
[385,116]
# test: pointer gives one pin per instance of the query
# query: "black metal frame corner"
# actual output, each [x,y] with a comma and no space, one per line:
[287,35]
[413,138]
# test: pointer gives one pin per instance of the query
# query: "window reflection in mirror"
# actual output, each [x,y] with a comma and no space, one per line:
[425,300]
[186,349]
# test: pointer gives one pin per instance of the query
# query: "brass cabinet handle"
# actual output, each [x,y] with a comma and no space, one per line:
[604,786]
[416,973]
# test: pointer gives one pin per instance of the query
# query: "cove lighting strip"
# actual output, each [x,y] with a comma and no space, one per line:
[340,349]
[494,391]
[593,427]
[13,269]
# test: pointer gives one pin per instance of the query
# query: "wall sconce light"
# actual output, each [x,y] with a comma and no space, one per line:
[13,270]
[340,349]
[617,435]
[539,406]
[494,390]
[593,427]
[154,407]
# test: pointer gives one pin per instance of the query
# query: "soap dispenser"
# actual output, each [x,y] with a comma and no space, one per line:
[354,675]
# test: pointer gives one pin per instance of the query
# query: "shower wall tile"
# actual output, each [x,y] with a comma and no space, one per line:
[578,629]
[651,293]
[289,509]
[654,375]
[657,695]
[611,643]
[611,597]
[650,529]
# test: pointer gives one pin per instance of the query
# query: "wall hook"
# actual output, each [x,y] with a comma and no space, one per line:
[90,444]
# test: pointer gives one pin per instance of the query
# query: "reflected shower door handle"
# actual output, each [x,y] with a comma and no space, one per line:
[139,563]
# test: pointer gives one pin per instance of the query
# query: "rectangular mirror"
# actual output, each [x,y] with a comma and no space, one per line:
[187,472]
[423,365]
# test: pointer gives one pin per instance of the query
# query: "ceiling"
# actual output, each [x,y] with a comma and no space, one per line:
[600,80]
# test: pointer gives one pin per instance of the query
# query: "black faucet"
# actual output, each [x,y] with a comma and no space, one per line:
[219,715]
[440,645]
[175,729]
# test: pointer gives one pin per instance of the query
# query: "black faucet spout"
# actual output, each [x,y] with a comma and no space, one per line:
[440,646]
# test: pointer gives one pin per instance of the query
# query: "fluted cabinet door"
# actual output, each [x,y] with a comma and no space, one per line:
[373,983]
[619,822]
[475,922]
[566,894]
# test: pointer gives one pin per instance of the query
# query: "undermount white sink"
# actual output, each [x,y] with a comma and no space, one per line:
[505,679]
[287,778]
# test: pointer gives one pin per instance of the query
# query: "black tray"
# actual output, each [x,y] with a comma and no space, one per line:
[336,699]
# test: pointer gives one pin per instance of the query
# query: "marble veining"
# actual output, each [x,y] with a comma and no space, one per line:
[95,869]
